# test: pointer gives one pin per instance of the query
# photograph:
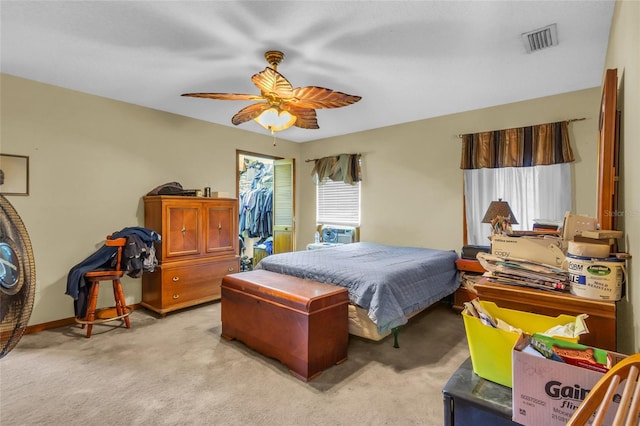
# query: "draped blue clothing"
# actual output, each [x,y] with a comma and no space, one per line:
[101,259]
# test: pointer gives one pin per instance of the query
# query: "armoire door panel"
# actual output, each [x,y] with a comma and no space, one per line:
[182,226]
[221,230]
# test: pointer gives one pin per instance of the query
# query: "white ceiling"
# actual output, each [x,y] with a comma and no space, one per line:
[409,60]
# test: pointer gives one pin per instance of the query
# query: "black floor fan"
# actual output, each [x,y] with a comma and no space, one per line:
[17,277]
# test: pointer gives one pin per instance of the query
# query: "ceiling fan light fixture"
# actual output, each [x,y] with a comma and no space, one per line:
[280,105]
[275,119]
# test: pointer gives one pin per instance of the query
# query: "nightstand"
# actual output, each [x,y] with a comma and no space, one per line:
[470,265]
[462,295]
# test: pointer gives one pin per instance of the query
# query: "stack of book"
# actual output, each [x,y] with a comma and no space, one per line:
[542,226]
[523,273]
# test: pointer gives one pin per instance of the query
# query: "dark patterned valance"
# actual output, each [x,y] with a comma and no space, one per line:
[343,167]
[538,145]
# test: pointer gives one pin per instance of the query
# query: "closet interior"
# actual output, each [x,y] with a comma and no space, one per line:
[255,198]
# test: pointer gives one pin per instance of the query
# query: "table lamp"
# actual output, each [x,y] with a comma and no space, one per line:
[500,216]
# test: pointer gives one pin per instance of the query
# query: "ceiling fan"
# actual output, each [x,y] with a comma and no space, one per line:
[280,105]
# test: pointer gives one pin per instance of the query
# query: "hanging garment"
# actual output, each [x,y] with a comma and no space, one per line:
[104,258]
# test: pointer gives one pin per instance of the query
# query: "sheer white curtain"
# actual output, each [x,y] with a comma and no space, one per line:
[536,192]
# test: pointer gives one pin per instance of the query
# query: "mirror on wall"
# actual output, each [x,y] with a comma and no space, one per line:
[608,149]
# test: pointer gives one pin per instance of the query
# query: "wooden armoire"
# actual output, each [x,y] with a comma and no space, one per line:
[199,245]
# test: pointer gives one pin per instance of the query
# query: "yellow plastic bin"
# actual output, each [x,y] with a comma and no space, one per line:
[491,348]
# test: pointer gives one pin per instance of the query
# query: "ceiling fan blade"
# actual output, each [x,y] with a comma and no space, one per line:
[306,117]
[319,97]
[271,81]
[225,96]
[249,113]
[278,93]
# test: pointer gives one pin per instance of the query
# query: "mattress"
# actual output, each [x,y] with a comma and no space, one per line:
[361,325]
[389,282]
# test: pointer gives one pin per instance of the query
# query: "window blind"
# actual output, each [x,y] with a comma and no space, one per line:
[338,203]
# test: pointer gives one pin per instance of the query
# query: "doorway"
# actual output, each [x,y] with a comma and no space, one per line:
[255,210]
[265,186]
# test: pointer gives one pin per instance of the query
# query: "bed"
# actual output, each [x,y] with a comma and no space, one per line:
[387,284]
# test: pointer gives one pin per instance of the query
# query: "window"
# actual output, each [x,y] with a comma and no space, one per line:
[338,203]
[528,167]
[537,192]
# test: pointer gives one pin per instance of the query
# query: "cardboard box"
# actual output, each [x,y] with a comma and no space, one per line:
[491,348]
[576,224]
[547,392]
[220,194]
[548,250]
[610,242]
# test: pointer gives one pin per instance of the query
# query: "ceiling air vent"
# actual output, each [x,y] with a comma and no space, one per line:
[541,38]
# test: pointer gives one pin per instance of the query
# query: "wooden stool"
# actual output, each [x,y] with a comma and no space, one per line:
[118,312]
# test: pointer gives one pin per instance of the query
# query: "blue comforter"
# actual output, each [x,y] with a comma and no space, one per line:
[390,282]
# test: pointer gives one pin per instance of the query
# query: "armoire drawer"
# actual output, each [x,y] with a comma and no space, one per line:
[190,283]
[187,284]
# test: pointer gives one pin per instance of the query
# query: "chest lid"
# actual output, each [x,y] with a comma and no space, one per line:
[297,293]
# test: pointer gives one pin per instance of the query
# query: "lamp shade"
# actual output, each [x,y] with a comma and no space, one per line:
[275,119]
[499,208]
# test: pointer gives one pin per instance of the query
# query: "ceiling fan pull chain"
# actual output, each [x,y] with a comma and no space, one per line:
[274,137]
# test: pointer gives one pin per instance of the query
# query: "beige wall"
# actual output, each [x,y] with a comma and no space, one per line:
[624,55]
[92,159]
[412,183]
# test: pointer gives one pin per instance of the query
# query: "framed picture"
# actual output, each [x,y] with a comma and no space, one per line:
[14,174]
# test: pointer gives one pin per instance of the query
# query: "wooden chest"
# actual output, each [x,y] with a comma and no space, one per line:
[301,323]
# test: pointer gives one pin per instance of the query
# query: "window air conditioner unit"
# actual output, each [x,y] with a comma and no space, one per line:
[338,234]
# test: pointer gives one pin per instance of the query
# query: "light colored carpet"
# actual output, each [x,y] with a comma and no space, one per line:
[177,370]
